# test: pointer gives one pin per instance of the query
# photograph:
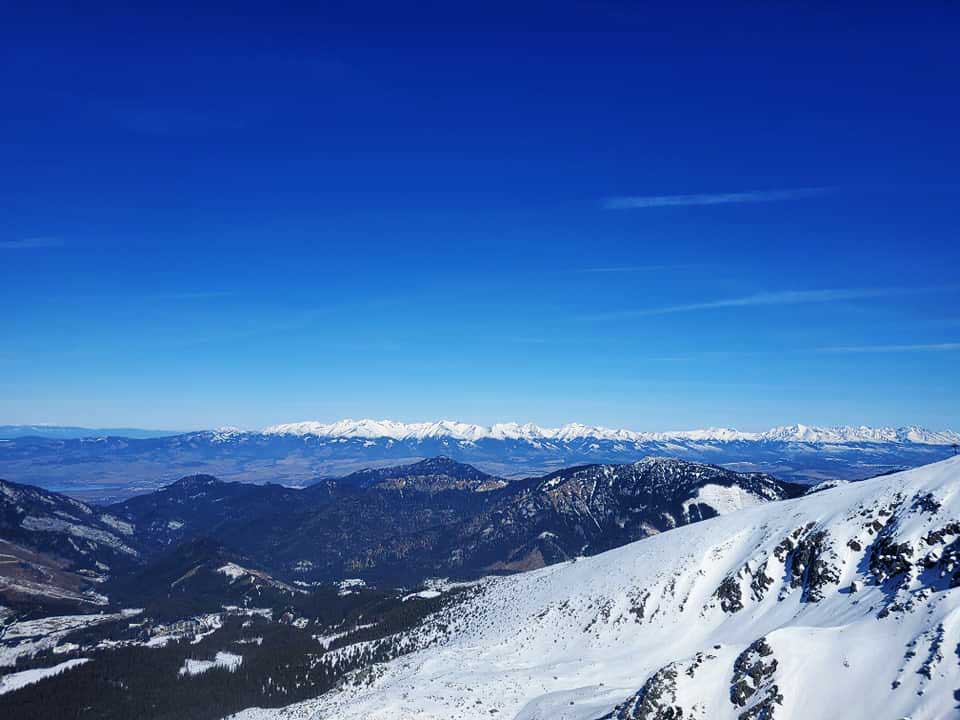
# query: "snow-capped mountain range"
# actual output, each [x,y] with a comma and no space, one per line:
[378,429]
[110,467]
[843,603]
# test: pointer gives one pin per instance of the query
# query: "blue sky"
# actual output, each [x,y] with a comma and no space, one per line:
[593,212]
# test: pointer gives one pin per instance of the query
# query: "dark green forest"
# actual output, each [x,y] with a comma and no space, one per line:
[281,663]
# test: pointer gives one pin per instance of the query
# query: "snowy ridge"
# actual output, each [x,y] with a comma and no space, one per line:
[389,429]
[841,603]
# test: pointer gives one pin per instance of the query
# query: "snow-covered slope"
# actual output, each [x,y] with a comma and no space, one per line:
[844,603]
[17,680]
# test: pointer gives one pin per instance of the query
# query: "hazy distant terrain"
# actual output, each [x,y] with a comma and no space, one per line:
[63,432]
[105,468]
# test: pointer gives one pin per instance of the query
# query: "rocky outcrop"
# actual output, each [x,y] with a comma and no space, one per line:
[753,687]
[809,561]
[656,700]
[729,595]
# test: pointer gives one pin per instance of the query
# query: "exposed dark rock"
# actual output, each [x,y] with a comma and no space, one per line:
[785,546]
[638,603]
[760,582]
[926,503]
[809,561]
[731,599]
[753,687]
[654,701]
[949,563]
[889,559]
[814,566]
[935,654]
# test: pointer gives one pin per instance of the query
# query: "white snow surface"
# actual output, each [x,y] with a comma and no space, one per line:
[59,624]
[223,660]
[51,591]
[17,680]
[725,499]
[237,572]
[233,571]
[117,524]
[573,641]
[350,585]
[27,638]
[467,432]
[58,525]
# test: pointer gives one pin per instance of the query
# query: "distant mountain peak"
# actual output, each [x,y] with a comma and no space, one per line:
[442,463]
[194,482]
[664,460]
[430,475]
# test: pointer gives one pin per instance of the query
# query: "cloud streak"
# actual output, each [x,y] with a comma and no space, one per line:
[31,243]
[785,297]
[840,350]
[609,269]
[926,347]
[638,202]
[188,295]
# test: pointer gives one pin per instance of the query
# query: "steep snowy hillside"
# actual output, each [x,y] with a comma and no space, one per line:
[844,603]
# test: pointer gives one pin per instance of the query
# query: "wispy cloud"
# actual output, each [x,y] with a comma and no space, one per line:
[191,295]
[779,351]
[633,268]
[926,347]
[31,243]
[785,297]
[748,196]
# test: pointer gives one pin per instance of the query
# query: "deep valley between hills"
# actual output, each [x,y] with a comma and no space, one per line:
[395,525]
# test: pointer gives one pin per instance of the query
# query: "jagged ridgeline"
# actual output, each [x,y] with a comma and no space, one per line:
[395,525]
[440,517]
